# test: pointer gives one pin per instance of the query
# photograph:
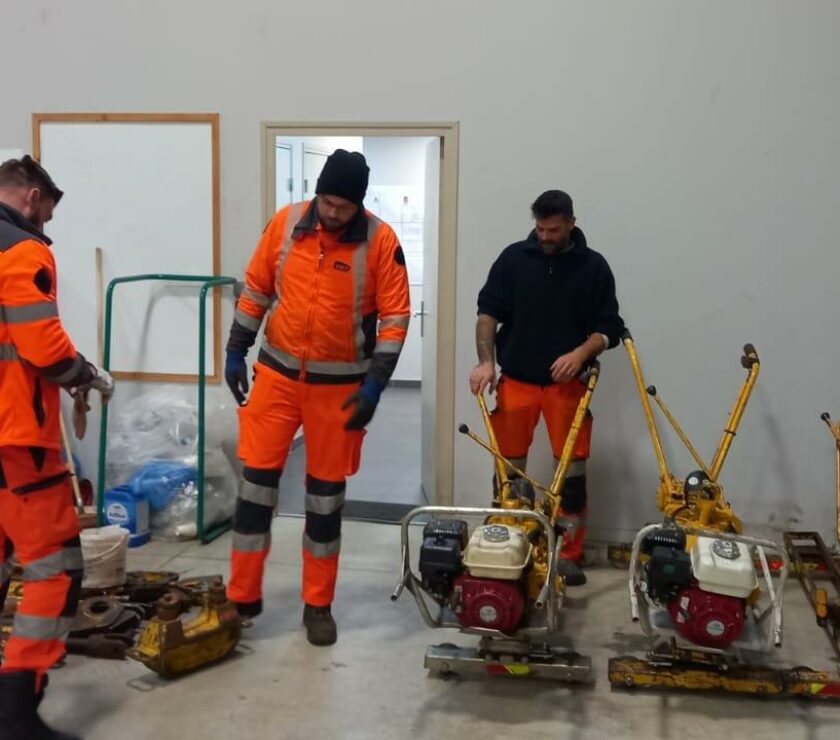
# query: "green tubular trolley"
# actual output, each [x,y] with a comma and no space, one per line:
[207,282]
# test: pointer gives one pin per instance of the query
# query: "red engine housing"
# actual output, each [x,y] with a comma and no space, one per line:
[707,619]
[488,602]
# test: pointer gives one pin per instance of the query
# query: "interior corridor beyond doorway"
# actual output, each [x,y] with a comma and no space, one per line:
[402,192]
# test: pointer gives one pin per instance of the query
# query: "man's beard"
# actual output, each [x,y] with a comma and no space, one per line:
[331,225]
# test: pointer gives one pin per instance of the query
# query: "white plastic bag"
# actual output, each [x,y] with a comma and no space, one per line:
[162,425]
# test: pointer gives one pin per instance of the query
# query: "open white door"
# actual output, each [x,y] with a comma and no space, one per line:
[426,314]
[284,174]
[313,163]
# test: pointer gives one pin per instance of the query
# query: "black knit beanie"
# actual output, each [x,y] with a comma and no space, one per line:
[345,175]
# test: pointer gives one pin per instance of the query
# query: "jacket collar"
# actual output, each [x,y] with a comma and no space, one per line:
[355,232]
[16,218]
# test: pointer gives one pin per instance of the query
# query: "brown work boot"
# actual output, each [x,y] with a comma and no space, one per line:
[320,625]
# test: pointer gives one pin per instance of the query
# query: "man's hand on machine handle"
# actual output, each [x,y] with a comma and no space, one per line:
[483,376]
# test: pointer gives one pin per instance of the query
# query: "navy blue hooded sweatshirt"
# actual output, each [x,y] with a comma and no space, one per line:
[548,304]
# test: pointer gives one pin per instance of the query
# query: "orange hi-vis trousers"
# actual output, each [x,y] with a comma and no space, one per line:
[275,410]
[39,524]
[518,409]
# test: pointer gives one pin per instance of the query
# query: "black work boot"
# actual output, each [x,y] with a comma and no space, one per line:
[571,572]
[320,625]
[19,718]
[248,611]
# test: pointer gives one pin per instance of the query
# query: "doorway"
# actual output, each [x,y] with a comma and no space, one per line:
[407,457]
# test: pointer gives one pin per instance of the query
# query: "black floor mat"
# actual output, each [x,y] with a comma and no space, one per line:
[368,511]
[375,511]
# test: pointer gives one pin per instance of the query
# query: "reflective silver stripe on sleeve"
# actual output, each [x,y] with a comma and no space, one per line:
[260,299]
[8,352]
[41,628]
[28,312]
[251,542]
[262,495]
[321,549]
[246,320]
[324,504]
[68,558]
[400,322]
[389,346]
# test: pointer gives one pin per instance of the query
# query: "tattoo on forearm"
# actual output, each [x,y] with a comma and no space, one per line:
[485,339]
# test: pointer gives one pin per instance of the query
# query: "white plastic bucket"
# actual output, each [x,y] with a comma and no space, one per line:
[105,551]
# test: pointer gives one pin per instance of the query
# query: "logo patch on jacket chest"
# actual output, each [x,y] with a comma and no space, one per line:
[343,266]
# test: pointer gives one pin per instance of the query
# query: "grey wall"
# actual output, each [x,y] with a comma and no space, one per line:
[698,138]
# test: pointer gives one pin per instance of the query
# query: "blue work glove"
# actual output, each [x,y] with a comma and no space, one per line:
[365,400]
[236,374]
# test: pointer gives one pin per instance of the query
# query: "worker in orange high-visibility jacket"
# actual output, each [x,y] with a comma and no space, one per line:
[334,277]
[38,522]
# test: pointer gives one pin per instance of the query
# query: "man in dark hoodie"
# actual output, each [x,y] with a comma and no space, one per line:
[549,305]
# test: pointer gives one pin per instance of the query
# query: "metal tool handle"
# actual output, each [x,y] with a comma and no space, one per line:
[464,429]
[656,440]
[750,356]
[751,363]
[501,470]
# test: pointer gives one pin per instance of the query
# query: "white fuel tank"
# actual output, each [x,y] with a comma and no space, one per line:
[723,567]
[497,551]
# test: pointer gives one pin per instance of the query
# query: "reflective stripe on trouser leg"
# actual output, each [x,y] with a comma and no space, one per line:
[321,539]
[252,533]
[573,511]
[46,612]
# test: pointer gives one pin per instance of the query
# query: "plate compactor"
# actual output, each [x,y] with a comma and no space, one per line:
[500,581]
[701,589]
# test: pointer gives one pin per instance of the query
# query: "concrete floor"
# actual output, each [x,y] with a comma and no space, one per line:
[371,684]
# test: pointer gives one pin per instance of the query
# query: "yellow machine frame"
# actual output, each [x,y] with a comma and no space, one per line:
[699,509]
[707,507]
[834,428]
[550,504]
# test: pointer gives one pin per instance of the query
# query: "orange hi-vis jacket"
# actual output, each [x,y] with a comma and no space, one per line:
[339,302]
[37,356]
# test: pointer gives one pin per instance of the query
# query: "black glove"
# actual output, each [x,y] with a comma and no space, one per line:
[365,400]
[236,375]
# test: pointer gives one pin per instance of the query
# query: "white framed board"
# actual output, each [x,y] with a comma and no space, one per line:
[145,189]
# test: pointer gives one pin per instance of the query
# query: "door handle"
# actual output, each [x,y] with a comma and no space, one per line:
[421,313]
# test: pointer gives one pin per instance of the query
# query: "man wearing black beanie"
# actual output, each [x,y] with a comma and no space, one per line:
[336,278]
